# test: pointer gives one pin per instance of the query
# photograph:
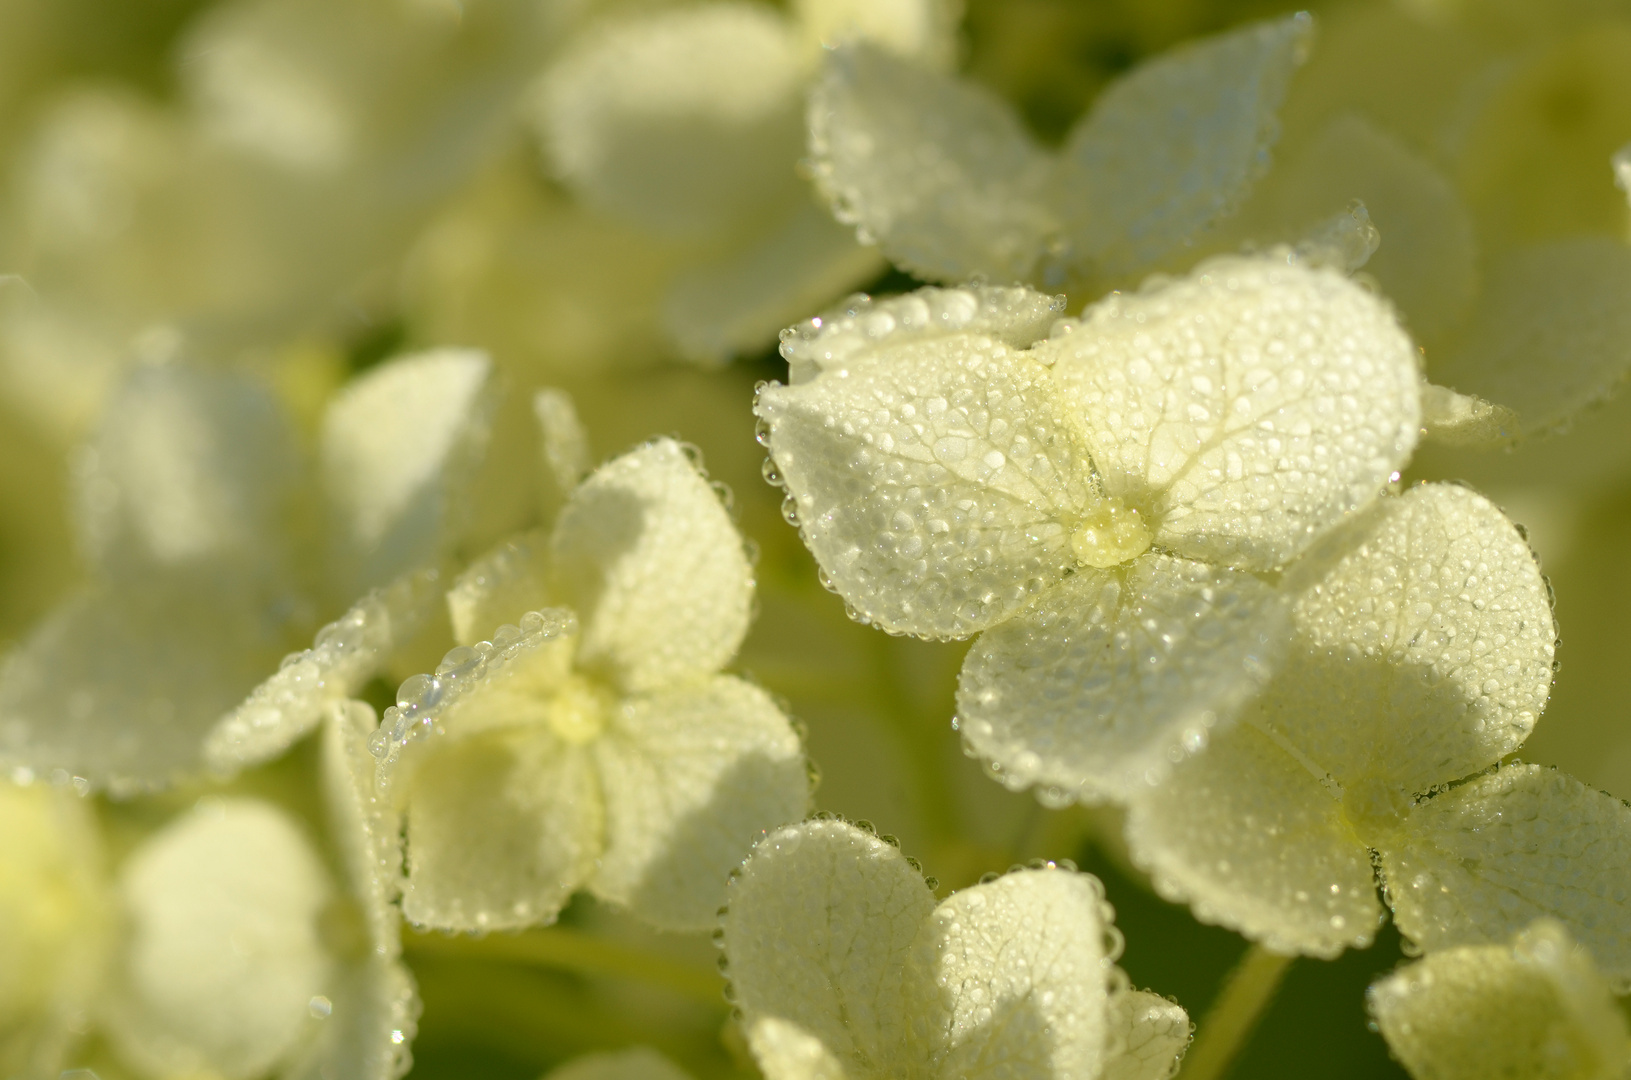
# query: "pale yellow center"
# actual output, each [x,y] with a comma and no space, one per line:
[578,709]
[1375,810]
[1109,535]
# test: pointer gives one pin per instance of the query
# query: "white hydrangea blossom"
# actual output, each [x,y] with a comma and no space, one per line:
[843,965]
[1533,1008]
[191,504]
[1421,653]
[1100,504]
[596,744]
[689,122]
[941,174]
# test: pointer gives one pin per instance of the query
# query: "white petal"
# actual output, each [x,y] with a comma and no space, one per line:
[1153,1034]
[685,121]
[1421,654]
[692,777]
[398,447]
[1478,863]
[651,561]
[1551,334]
[1535,1008]
[820,927]
[1246,408]
[223,957]
[188,466]
[499,587]
[1176,144]
[563,443]
[925,30]
[1251,840]
[1112,675]
[935,170]
[121,684]
[635,1063]
[1462,420]
[1019,977]
[931,480]
[786,1051]
[735,305]
[54,924]
[345,655]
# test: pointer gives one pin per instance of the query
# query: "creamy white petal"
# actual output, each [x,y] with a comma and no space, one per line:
[1535,1008]
[563,444]
[1246,408]
[1151,1031]
[925,30]
[786,1051]
[1112,675]
[635,1063]
[685,121]
[55,908]
[1421,652]
[648,556]
[1551,334]
[365,827]
[1176,144]
[935,481]
[399,445]
[820,927]
[500,586]
[188,466]
[121,684]
[692,778]
[935,170]
[1462,420]
[1249,838]
[1017,975]
[1478,863]
[223,955]
[345,655]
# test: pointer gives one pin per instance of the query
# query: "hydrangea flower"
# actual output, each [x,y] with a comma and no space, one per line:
[941,174]
[194,515]
[843,965]
[1102,505]
[1421,656]
[688,122]
[593,743]
[1535,1007]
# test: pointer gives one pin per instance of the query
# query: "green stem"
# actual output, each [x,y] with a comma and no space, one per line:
[1228,1024]
[569,950]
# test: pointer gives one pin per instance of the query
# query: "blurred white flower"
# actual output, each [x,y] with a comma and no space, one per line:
[595,745]
[1103,503]
[843,965]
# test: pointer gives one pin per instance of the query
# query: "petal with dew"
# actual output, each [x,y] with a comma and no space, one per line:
[1153,1034]
[1112,675]
[1246,408]
[938,172]
[1176,144]
[399,446]
[1535,1008]
[684,121]
[345,655]
[1014,976]
[1551,334]
[820,927]
[932,481]
[1454,419]
[121,684]
[1476,864]
[648,556]
[500,586]
[692,777]
[1251,840]
[1421,651]
[223,954]
[785,1051]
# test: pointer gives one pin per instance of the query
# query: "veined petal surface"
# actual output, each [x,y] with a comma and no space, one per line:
[1251,840]
[786,1051]
[649,558]
[1244,409]
[1153,1034]
[1112,675]
[692,777]
[1478,863]
[933,480]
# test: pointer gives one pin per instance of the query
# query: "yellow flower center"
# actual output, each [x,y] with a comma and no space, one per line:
[1109,535]
[578,710]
